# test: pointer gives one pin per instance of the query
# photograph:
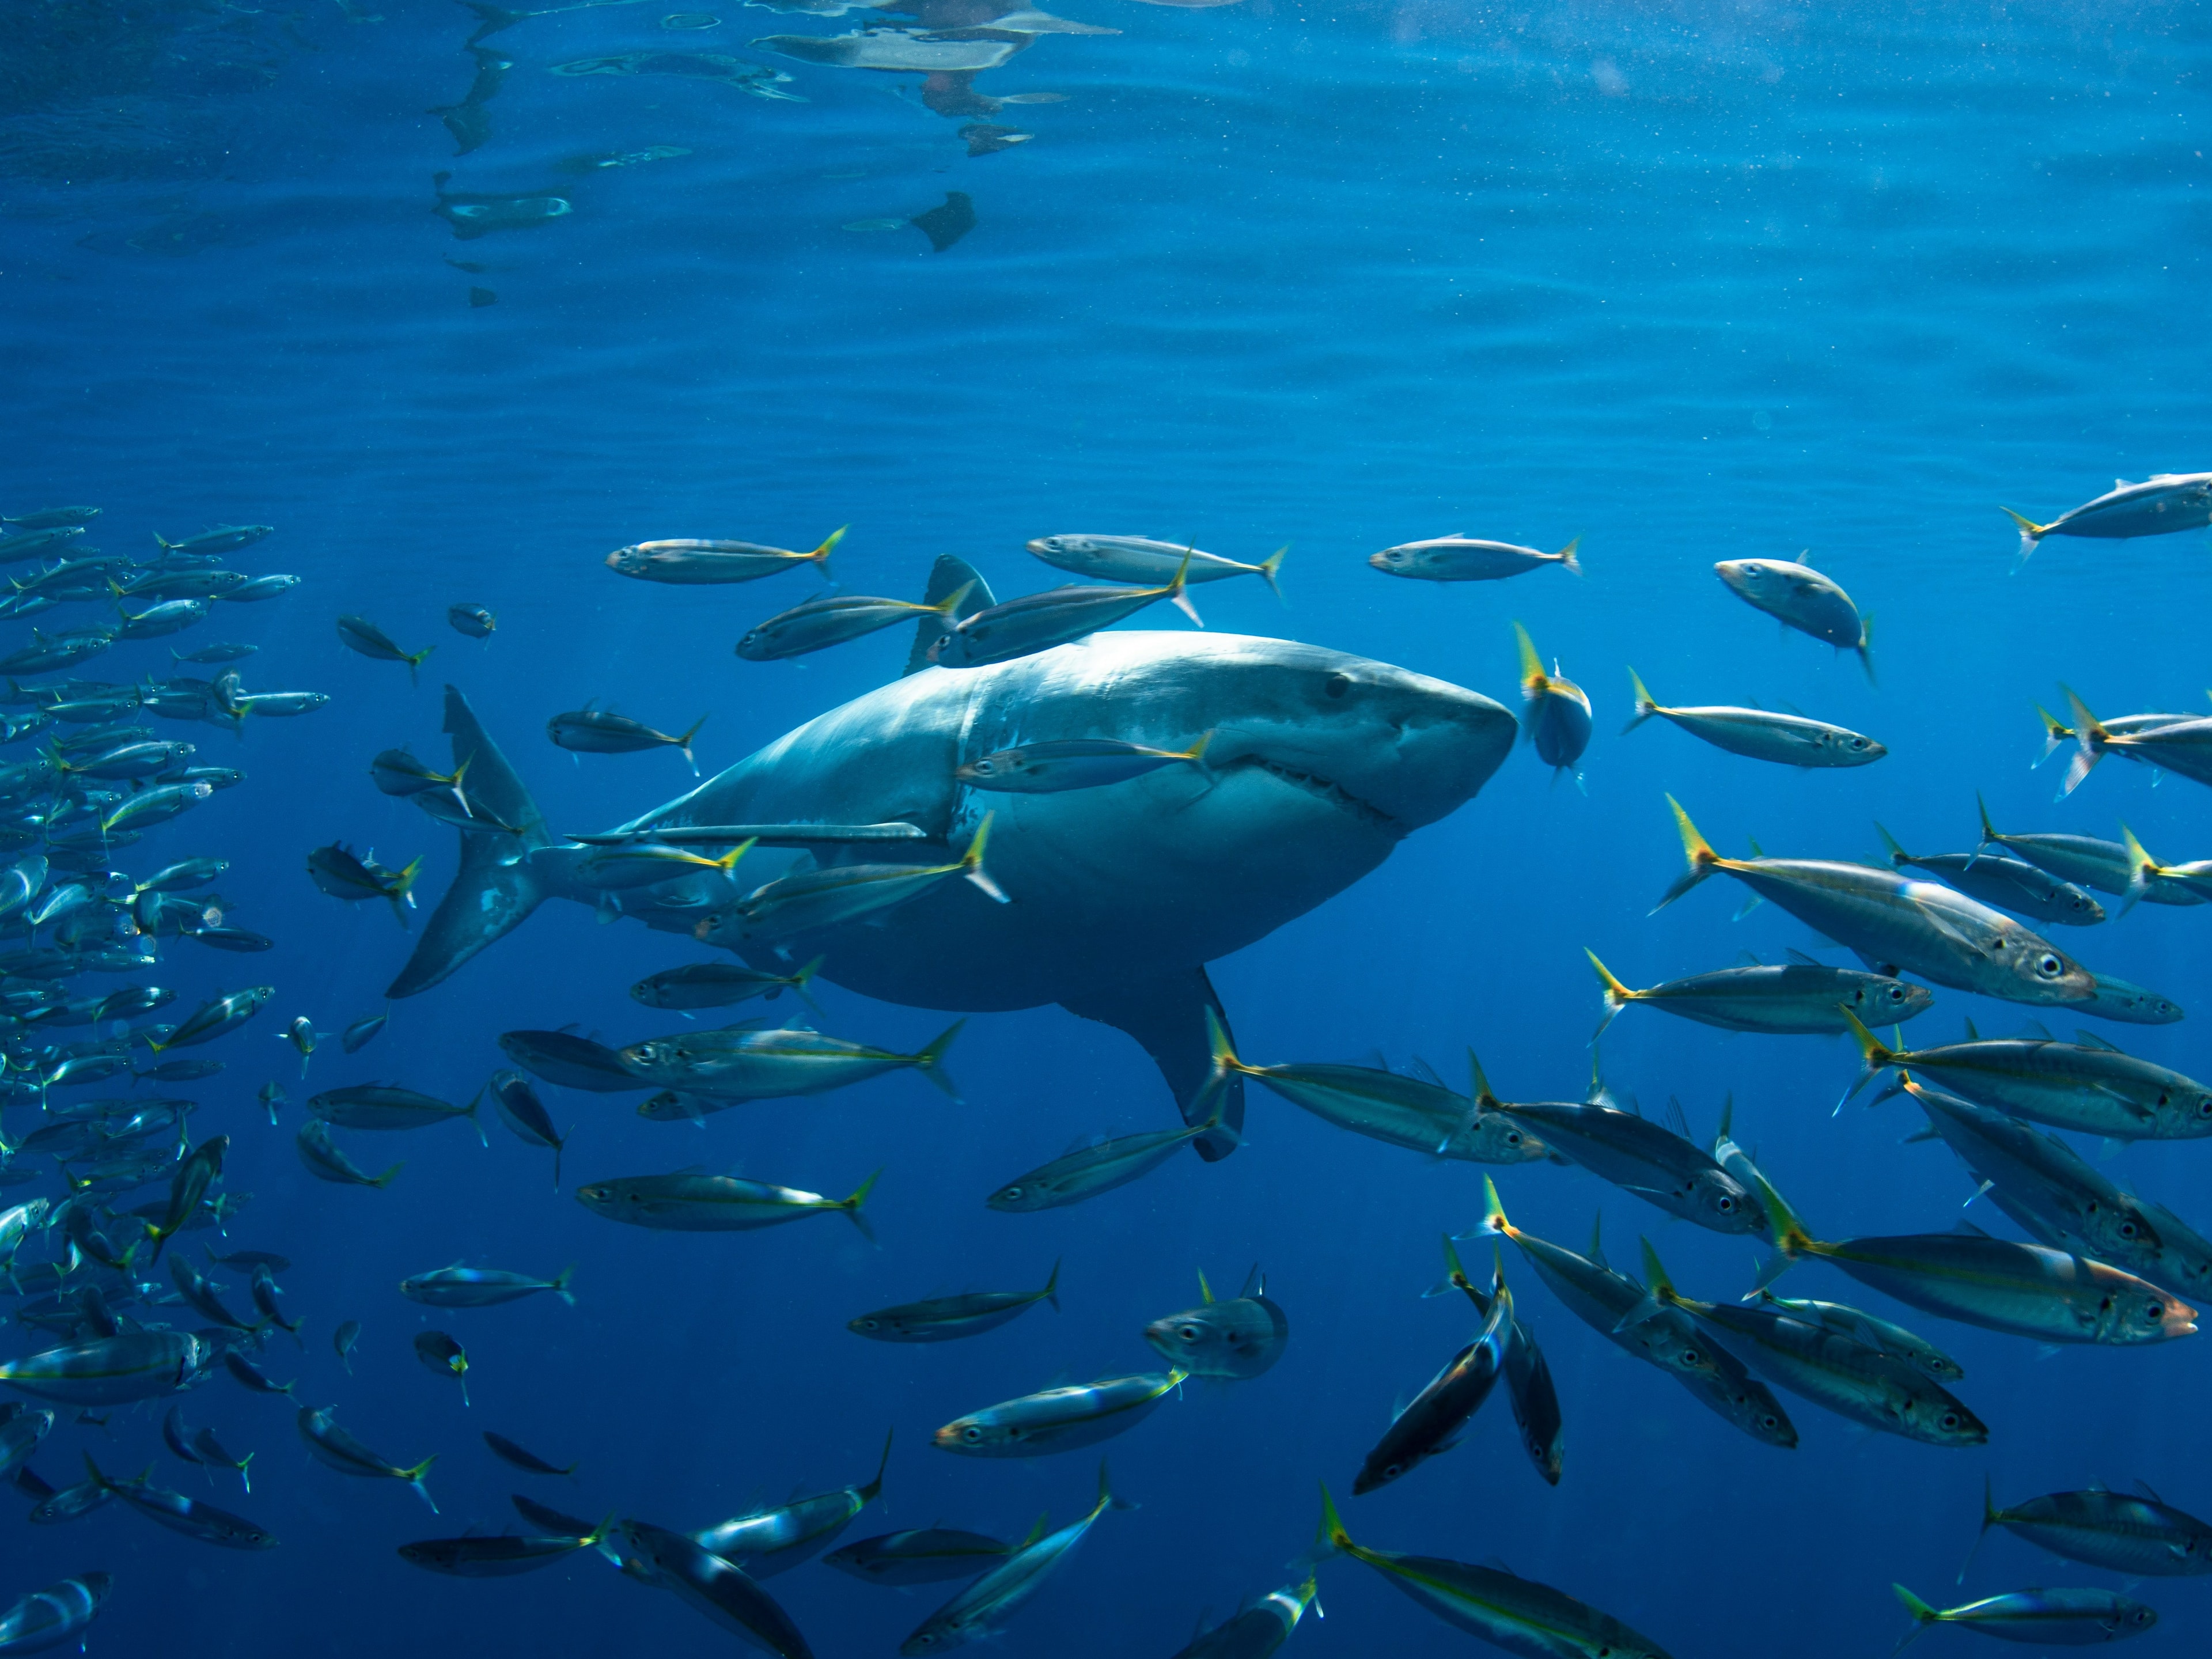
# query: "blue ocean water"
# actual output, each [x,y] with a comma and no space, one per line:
[1692,281]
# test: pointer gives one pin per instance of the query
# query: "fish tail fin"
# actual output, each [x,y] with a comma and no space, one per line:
[1107,1500]
[1566,556]
[950,604]
[1897,855]
[1493,1210]
[1333,1539]
[2090,740]
[869,1491]
[1697,849]
[930,1062]
[820,555]
[1989,836]
[1477,1083]
[385,1180]
[414,1477]
[246,1469]
[1532,666]
[561,1285]
[1176,591]
[414,661]
[851,1207]
[1617,995]
[1989,1518]
[1865,648]
[476,1118]
[1196,754]
[1873,1056]
[2030,533]
[802,979]
[971,862]
[494,892]
[1051,1291]
[1923,1615]
[1645,708]
[2140,867]
[728,861]
[1271,566]
[1220,1046]
[684,744]
[2055,736]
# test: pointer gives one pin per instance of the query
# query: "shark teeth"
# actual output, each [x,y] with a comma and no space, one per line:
[1334,793]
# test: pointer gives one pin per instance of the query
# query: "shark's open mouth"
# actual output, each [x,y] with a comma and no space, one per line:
[1314,784]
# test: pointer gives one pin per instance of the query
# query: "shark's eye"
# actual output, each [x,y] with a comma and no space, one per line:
[1337,685]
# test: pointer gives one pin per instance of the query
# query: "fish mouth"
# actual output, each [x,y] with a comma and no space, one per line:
[1321,788]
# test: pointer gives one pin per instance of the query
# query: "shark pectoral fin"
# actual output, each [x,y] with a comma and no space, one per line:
[493,892]
[1166,1015]
[946,577]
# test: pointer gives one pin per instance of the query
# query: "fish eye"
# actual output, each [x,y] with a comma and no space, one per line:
[1948,1420]
[983,769]
[2204,1106]
[1769,1420]
[972,1435]
[2049,964]
[1725,1205]
[1393,1470]
[1011,1192]
[2152,1313]
[1188,1333]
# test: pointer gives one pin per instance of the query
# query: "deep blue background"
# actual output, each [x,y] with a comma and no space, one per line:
[1696,281]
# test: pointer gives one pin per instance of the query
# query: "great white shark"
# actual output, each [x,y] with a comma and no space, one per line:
[1320,764]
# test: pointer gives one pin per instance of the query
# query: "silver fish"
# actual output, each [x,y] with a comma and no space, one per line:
[1457,558]
[1886,919]
[2159,506]
[1798,596]
[1800,997]
[1136,559]
[687,563]
[1785,739]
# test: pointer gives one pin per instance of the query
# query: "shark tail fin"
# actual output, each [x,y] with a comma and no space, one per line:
[1697,849]
[492,892]
[953,578]
[2030,533]
[1271,566]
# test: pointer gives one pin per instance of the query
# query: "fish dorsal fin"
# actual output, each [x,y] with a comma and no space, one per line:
[1757,851]
[1039,1531]
[1805,558]
[1496,1565]
[1256,1284]
[1676,1119]
[1973,1036]
[1204,1288]
[2036,1031]
[1421,1069]
[2091,1040]
[1748,959]
[1966,1229]
[2149,1490]
[1804,961]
